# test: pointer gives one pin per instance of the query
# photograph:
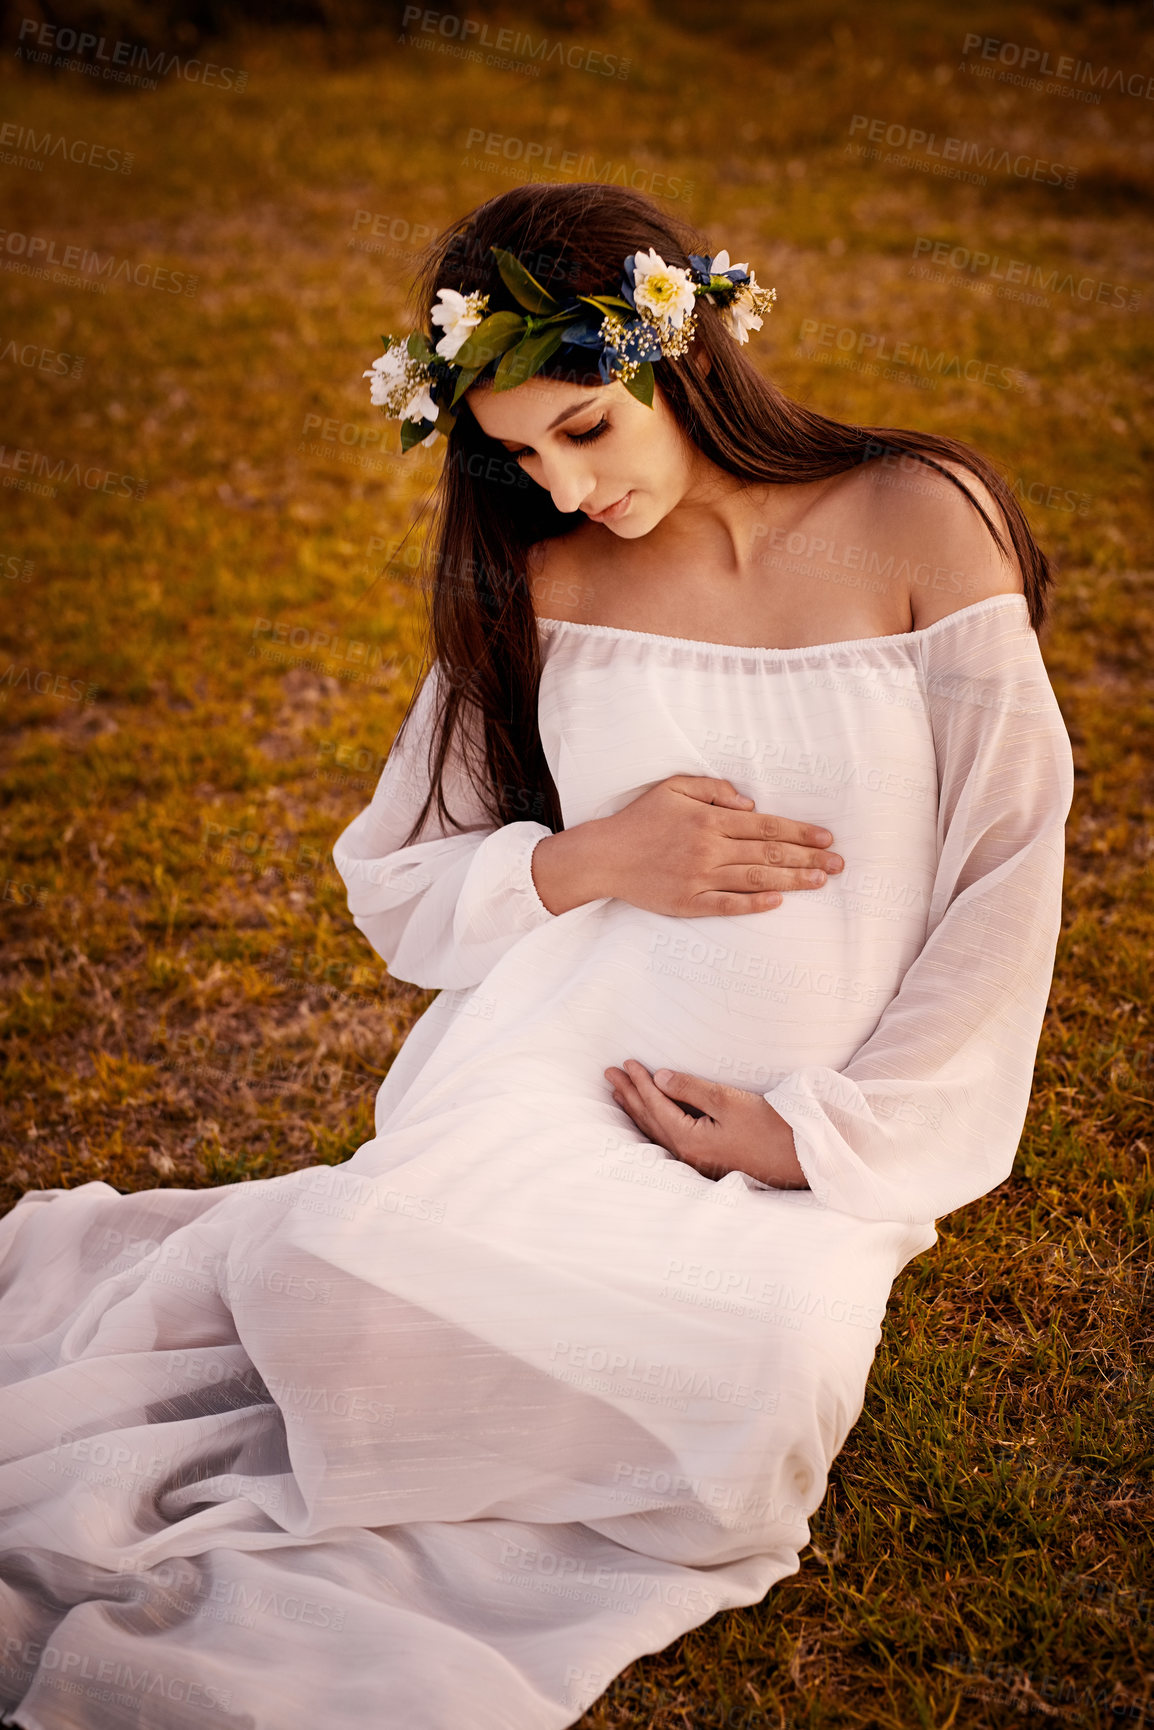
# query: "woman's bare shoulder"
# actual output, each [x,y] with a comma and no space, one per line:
[937,538]
[559,574]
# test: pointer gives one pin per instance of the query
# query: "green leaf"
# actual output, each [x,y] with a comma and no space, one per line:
[641,384]
[492,337]
[525,289]
[528,357]
[418,346]
[445,421]
[608,303]
[413,431]
[464,379]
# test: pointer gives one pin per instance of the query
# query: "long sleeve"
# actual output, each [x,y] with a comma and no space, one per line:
[442,911]
[928,1113]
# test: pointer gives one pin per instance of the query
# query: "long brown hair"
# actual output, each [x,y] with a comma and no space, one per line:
[488,513]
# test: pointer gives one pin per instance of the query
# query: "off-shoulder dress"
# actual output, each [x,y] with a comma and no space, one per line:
[449,1434]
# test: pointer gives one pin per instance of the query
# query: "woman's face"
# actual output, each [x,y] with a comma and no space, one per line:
[594,448]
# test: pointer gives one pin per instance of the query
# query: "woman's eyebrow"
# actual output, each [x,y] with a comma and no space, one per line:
[566,414]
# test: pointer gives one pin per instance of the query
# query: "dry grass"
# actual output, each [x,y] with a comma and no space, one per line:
[191,1006]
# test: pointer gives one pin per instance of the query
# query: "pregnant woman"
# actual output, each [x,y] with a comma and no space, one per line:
[728,823]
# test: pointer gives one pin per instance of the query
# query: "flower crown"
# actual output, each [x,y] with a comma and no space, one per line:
[651,319]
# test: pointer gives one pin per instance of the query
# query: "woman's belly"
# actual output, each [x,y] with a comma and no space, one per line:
[508,1132]
[744,999]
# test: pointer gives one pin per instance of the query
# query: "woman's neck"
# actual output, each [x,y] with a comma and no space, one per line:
[721,523]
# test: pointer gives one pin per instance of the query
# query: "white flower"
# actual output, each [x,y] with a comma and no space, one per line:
[740,317]
[401,385]
[662,292]
[458,316]
[421,406]
[721,264]
[387,372]
[743,312]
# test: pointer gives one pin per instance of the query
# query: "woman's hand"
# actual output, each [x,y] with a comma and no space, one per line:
[693,845]
[737,1131]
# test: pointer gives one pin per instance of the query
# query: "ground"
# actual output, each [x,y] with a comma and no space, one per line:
[211,629]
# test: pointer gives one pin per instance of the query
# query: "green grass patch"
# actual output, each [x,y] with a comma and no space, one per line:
[188,1001]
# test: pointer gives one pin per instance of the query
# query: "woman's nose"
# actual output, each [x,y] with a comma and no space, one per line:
[569,486]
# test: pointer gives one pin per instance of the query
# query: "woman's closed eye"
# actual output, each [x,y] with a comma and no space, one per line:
[582,438]
[586,438]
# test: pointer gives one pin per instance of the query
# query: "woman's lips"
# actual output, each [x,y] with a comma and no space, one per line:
[612,512]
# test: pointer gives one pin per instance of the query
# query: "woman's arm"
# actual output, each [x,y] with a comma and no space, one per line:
[928,1113]
[442,911]
[567,866]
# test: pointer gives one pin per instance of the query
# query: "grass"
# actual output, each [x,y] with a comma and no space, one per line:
[188,1001]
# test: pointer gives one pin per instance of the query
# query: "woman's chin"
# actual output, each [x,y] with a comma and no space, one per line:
[637,521]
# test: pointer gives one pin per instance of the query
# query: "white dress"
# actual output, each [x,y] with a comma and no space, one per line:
[449,1434]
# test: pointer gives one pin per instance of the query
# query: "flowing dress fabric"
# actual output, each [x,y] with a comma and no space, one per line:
[451,1433]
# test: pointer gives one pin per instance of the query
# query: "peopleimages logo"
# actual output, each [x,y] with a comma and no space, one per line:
[938,151]
[66,1667]
[876,347]
[52,44]
[14,138]
[45,683]
[89,269]
[37,358]
[538,156]
[1065,69]
[38,465]
[469,35]
[992,268]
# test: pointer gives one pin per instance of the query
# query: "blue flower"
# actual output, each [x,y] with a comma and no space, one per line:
[627,281]
[582,335]
[737,273]
[704,267]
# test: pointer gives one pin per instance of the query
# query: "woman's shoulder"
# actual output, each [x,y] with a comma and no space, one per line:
[936,537]
[559,573]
